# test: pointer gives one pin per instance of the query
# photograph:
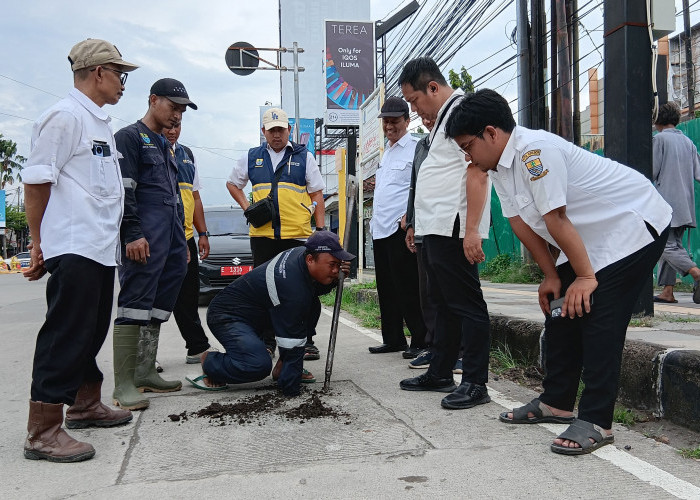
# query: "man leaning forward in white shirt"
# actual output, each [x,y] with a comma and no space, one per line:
[452,215]
[610,225]
[74,199]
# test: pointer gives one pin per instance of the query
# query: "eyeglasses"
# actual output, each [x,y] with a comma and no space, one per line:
[122,75]
[466,149]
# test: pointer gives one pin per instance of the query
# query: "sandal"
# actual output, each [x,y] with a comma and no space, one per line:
[579,432]
[542,414]
[199,383]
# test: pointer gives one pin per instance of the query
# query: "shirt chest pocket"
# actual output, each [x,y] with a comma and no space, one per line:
[398,172]
[154,169]
[104,177]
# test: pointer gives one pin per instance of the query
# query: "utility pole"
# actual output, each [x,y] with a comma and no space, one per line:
[689,67]
[524,96]
[564,116]
[538,63]
[572,7]
[628,97]
[554,72]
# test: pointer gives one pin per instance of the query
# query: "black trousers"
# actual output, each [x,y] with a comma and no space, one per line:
[590,347]
[264,249]
[79,296]
[461,313]
[396,270]
[186,309]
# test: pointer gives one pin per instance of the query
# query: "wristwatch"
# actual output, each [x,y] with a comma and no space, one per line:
[322,228]
[205,233]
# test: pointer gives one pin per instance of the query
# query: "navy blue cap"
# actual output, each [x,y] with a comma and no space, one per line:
[327,242]
[173,90]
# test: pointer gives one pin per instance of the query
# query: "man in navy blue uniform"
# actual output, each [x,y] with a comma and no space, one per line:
[279,295]
[153,243]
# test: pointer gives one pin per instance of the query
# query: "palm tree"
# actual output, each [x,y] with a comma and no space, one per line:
[10,162]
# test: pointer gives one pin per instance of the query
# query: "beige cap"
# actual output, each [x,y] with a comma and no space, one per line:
[93,52]
[275,117]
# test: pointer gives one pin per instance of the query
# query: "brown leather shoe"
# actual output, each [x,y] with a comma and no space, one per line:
[48,441]
[88,410]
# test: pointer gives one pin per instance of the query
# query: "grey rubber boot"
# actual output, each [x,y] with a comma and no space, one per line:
[146,377]
[126,339]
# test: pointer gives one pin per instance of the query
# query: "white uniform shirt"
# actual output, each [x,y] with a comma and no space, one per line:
[607,202]
[392,183]
[85,209]
[314,180]
[441,191]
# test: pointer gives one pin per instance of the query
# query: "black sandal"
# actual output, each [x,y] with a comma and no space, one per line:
[542,415]
[579,432]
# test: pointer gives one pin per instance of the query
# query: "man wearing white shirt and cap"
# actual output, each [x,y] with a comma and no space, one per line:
[298,187]
[395,266]
[74,199]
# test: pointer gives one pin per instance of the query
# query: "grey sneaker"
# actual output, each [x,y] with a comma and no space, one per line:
[196,358]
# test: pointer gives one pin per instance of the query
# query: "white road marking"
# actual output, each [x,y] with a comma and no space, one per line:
[642,470]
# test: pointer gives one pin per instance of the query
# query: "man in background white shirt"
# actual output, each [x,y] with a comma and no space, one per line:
[74,199]
[395,266]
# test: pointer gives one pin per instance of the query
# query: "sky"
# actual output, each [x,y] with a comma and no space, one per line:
[187,41]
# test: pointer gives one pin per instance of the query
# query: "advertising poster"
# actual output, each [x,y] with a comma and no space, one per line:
[349,70]
[307,134]
[371,133]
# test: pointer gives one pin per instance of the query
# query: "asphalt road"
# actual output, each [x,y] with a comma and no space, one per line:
[393,444]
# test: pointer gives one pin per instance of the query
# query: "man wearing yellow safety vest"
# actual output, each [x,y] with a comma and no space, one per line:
[298,195]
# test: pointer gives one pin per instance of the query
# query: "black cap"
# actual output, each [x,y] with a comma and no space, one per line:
[394,106]
[173,90]
[327,242]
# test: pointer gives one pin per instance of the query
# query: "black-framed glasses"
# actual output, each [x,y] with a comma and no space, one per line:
[122,74]
[466,149]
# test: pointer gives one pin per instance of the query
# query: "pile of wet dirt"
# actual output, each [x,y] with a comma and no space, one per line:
[259,407]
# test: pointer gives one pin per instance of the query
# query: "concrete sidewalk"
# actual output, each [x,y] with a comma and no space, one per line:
[391,444]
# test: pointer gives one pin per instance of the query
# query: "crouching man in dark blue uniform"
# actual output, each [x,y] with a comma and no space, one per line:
[280,295]
[153,242]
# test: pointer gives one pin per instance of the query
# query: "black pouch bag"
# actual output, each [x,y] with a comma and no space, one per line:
[263,211]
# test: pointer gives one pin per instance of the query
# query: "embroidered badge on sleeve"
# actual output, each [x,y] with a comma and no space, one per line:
[534,166]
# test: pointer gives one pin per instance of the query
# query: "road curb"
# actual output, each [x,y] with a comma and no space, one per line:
[653,378]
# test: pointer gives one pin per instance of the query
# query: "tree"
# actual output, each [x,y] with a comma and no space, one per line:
[16,221]
[10,162]
[461,80]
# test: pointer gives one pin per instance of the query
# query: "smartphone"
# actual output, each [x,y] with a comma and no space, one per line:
[555,307]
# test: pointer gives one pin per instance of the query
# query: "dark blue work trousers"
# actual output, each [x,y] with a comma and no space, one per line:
[149,291]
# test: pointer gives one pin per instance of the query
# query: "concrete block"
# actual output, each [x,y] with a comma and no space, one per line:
[639,375]
[680,388]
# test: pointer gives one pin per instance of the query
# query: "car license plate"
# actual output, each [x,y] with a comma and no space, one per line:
[235,270]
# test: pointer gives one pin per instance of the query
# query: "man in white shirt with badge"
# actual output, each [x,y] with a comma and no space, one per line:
[74,199]
[452,214]
[395,266]
[610,225]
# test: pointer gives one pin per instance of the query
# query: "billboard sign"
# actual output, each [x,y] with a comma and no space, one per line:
[350,48]
[2,209]
[371,133]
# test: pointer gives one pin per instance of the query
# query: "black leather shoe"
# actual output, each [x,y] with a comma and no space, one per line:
[465,396]
[428,382]
[412,352]
[382,348]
